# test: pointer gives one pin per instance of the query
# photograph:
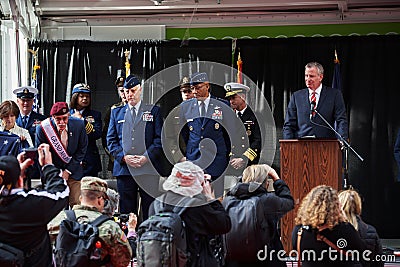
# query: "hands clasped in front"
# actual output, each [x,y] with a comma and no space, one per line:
[135,161]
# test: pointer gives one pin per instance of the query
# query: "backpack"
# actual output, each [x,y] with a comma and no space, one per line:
[161,239]
[249,232]
[11,256]
[76,243]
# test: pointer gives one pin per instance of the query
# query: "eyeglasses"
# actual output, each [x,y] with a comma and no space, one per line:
[59,119]
[27,99]
[197,87]
[105,200]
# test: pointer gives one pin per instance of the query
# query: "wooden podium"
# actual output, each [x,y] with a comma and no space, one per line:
[305,164]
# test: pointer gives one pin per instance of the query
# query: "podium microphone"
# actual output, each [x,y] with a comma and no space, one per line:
[312,110]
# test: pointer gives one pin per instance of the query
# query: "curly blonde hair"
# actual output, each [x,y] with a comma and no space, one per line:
[350,202]
[320,207]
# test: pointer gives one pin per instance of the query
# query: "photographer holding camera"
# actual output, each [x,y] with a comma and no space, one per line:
[127,222]
[205,218]
[24,214]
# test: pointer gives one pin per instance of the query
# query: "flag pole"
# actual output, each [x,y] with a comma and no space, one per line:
[35,69]
[127,64]
[239,78]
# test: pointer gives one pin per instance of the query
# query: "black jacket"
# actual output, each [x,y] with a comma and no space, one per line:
[370,236]
[342,234]
[24,216]
[276,205]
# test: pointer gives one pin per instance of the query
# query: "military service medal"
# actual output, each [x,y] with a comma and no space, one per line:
[147,116]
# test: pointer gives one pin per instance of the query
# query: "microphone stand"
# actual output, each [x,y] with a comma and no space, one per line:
[346,147]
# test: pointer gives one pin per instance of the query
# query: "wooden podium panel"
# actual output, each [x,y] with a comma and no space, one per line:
[305,164]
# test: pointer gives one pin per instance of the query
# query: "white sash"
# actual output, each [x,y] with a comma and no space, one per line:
[54,141]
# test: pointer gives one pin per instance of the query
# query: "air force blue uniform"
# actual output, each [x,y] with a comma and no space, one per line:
[139,137]
[146,135]
[208,139]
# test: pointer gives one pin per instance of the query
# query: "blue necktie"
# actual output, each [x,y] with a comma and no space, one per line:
[202,111]
[24,121]
[133,113]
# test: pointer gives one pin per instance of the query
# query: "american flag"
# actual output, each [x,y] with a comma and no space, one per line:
[35,106]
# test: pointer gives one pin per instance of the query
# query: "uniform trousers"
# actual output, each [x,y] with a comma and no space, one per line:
[129,188]
[74,191]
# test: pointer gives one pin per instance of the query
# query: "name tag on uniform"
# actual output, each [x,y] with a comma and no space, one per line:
[121,121]
[189,120]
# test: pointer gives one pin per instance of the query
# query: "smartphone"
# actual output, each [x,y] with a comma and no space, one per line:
[31,153]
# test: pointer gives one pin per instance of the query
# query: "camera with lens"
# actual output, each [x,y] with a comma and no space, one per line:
[31,153]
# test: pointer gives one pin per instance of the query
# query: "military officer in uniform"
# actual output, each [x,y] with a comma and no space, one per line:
[93,198]
[236,94]
[174,146]
[80,107]
[208,127]
[119,84]
[134,140]
[27,119]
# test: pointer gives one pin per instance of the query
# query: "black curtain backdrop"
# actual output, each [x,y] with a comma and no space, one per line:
[369,83]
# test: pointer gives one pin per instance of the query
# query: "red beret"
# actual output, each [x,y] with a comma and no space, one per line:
[59,108]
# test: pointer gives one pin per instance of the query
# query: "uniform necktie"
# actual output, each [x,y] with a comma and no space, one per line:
[24,121]
[313,99]
[64,138]
[240,115]
[202,110]
[133,113]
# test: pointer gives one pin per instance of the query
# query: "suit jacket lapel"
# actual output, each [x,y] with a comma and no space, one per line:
[246,114]
[306,100]
[29,123]
[139,115]
[19,120]
[210,111]
[322,98]
[195,109]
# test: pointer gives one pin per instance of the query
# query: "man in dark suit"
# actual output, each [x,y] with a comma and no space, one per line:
[208,125]
[302,122]
[134,140]
[27,119]
[249,152]
[81,108]
[68,144]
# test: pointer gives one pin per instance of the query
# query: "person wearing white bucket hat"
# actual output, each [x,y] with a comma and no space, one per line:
[205,218]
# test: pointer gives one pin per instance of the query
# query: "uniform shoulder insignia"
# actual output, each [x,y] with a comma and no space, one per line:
[120,104]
